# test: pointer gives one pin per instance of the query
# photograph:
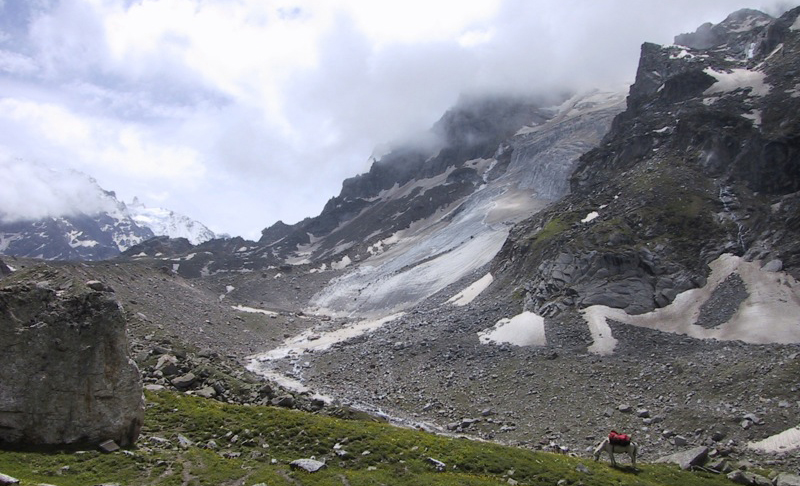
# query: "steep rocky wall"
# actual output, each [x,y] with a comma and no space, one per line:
[66,377]
[705,160]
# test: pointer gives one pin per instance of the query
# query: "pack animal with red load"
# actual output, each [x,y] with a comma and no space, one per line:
[617,443]
[617,439]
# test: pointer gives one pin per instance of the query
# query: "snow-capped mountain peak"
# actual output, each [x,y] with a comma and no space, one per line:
[164,222]
[69,216]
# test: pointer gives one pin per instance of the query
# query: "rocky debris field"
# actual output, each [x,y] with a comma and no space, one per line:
[427,369]
[671,392]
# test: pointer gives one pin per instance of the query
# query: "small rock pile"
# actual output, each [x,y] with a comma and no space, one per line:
[208,375]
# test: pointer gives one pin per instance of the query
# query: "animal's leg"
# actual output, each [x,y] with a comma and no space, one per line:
[613,461]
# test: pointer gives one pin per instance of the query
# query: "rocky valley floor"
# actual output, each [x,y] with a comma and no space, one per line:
[671,392]
[427,367]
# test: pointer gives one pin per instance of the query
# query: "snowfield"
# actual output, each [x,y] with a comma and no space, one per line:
[770,314]
[469,294]
[738,79]
[526,329]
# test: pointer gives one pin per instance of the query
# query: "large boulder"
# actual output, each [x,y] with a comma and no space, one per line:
[67,378]
[687,459]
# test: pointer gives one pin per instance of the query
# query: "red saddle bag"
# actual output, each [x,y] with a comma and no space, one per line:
[615,438]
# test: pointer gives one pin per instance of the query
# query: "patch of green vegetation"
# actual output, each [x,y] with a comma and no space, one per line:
[253,444]
[554,227]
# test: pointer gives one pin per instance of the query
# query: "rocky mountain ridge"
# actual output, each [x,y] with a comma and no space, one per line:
[95,234]
[429,219]
[704,161]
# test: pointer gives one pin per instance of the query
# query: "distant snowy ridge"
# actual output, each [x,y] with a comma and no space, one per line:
[67,215]
[164,222]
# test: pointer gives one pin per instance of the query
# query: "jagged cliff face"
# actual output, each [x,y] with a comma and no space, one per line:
[704,161]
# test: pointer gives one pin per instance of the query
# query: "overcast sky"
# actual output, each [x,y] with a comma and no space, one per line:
[239,113]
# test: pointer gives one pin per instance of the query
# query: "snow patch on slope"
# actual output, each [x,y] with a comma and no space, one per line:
[310,341]
[768,315]
[253,310]
[526,329]
[786,441]
[469,294]
[738,79]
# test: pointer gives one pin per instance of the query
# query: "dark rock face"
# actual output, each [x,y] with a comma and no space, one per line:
[67,378]
[734,31]
[159,245]
[4,270]
[705,160]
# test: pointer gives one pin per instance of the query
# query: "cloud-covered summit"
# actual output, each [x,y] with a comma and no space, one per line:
[31,191]
[243,113]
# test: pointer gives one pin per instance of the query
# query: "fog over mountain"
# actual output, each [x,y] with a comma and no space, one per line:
[245,113]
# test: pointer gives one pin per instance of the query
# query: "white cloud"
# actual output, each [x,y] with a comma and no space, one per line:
[97,143]
[240,113]
[14,63]
[31,191]
[417,21]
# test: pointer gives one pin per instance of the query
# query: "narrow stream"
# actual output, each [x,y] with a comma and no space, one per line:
[265,364]
[728,200]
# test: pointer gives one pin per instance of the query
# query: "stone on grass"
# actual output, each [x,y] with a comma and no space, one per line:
[183,382]
[786,479]
[687,459]
[4,479]
[286,401]
[108,446]
[744,477]
[439,465]
[206,392]
[308,465]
